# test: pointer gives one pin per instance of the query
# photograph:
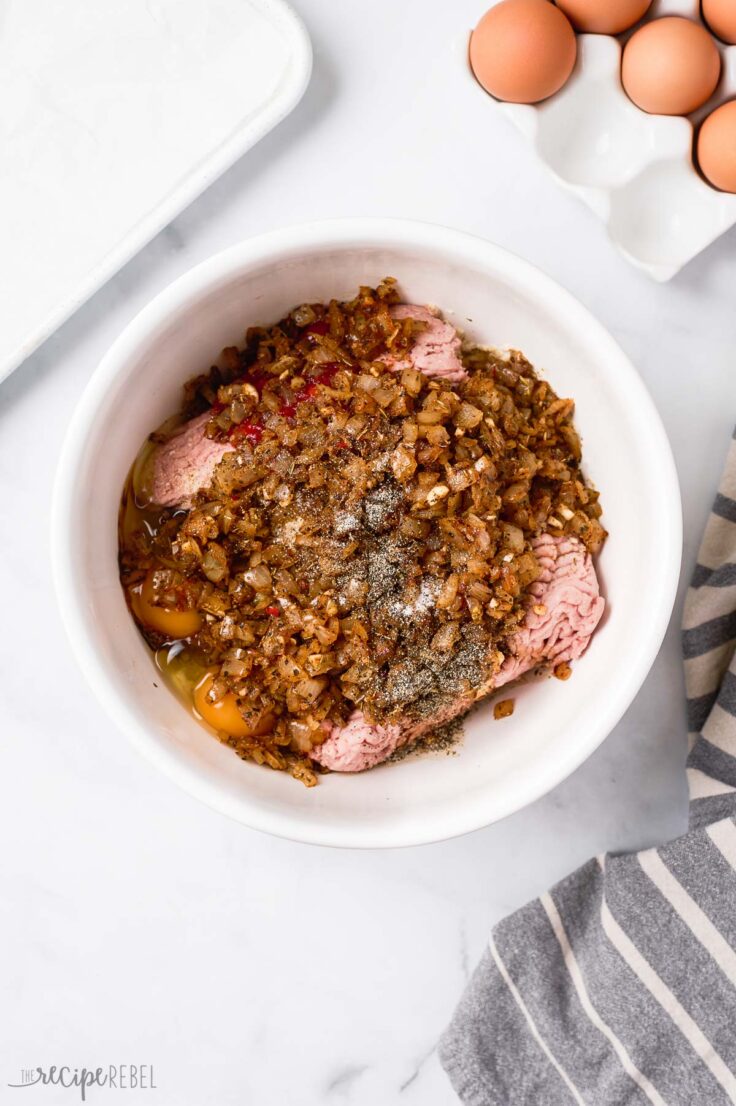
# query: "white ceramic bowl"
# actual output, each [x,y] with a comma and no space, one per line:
[497,299]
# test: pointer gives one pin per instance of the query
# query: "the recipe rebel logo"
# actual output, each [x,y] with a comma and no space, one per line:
[114,1077]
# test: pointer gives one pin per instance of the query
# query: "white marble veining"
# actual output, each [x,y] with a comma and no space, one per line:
[135,925]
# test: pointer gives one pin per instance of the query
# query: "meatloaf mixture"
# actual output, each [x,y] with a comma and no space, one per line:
[358,526]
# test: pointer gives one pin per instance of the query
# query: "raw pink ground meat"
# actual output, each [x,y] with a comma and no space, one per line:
[359,745]
[567,589]
[436,350]
[185,464]
[569,593]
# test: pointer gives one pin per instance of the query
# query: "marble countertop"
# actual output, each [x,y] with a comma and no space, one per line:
[136,926]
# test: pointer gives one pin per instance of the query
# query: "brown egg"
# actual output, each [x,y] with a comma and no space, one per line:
[720,15]
[604,17]
[670,66]
[716,147]
[523,50]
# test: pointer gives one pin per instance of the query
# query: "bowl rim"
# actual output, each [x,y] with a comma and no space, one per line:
[204,277]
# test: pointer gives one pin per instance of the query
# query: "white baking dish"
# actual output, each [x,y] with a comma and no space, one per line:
[113,117]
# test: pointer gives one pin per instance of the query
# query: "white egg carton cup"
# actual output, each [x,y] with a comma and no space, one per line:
[634,170]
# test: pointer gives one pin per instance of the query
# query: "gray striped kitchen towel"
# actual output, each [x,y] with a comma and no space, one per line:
[618,986]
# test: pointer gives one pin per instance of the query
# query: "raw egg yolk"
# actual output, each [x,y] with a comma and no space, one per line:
[224,714]
[165,620]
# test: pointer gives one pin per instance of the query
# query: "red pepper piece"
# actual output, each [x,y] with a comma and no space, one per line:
[251,431]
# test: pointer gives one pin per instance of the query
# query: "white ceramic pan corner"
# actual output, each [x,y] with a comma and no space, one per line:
[114,117]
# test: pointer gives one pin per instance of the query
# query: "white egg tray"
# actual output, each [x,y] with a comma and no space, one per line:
[634,170]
